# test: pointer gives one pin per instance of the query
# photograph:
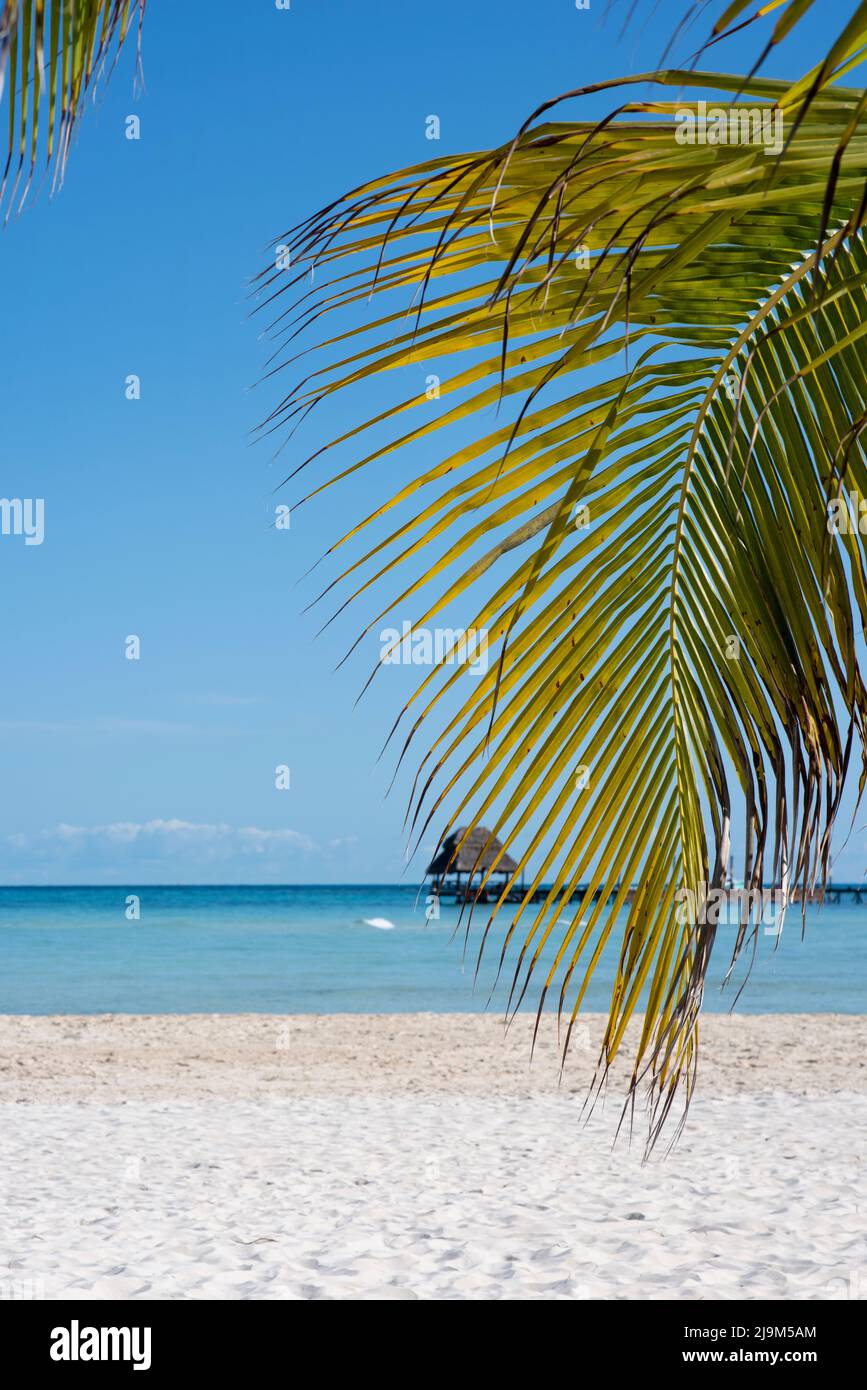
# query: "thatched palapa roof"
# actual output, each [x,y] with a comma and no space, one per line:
[470,857]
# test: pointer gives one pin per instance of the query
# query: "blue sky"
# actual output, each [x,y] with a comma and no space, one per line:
[158,510]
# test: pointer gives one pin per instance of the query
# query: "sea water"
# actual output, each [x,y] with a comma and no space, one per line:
[354,949]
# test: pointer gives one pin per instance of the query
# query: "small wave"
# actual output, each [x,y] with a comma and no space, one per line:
[381,922]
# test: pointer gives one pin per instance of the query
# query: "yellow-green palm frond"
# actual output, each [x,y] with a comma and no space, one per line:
[673,337]
[849,46]
[52,54]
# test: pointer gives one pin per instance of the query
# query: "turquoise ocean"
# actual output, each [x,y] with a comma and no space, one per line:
[353,949]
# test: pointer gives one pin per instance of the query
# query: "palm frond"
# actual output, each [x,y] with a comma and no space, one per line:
[53,53]
[848,48]
[674,335]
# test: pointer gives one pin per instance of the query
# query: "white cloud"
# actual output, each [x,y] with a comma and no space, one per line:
[260,840]
[164,838]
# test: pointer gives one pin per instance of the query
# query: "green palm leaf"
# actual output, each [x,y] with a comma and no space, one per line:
[849,46]
[679,333]
[52,54]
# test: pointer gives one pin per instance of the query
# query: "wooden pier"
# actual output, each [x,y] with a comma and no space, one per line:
[832,895]
[467,854]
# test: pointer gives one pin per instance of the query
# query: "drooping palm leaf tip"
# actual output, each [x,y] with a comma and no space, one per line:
[52,55]
[659,347]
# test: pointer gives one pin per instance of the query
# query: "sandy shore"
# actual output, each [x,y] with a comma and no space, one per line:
[420,1156]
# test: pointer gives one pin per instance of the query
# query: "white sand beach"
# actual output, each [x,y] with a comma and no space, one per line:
[421,1156]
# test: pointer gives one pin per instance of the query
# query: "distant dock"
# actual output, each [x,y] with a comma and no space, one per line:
[833,894]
